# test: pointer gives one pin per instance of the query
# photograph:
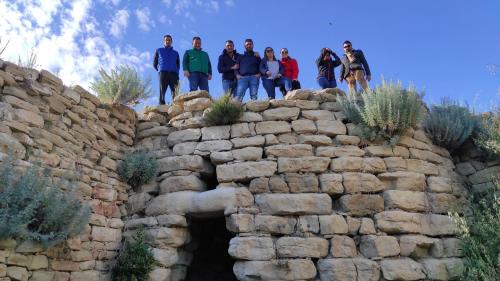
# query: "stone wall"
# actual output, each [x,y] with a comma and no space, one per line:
[69,130]
[479,170]
[305,197]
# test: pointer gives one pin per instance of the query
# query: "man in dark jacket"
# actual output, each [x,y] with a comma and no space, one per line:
[167,63]
[227,65]
[354,68]
[248,72]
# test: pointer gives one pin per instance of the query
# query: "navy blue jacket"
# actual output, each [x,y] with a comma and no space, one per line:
[249,64]
[166,60]
[225,64]
[264,68]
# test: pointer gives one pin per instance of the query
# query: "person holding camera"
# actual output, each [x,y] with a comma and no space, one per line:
[326,66]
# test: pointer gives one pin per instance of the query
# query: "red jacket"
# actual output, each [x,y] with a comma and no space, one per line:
[291,68]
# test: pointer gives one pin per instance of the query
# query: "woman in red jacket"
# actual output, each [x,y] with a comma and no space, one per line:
[291,69]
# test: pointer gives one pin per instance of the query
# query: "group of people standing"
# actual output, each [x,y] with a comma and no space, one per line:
[244,71]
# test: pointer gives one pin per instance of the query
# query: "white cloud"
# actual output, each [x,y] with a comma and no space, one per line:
[144,17]
[118,25]
[214,5]
[68,39]
[165,20]
[167,3]
[229,3]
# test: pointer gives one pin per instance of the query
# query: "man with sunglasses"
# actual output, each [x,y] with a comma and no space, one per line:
[247,73]
[354,68]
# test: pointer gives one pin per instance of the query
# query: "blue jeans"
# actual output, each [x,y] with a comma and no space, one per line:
[270,85]
[247,82]
[198,79]
[229,86]
[325,83]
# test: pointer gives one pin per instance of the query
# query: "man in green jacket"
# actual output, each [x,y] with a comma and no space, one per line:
[197,66]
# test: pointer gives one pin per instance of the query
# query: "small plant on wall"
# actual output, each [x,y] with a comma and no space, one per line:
[122,85]
[135,261]
[224,111]
[137,168]
[386,112]
[33,208]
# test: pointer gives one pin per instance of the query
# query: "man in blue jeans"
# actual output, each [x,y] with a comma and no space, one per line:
[226,66]
[248,72]
[197,67]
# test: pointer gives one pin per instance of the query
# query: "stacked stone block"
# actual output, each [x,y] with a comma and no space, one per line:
[70,131]
[306,198]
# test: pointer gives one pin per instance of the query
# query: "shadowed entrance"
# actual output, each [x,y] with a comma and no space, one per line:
[210,241]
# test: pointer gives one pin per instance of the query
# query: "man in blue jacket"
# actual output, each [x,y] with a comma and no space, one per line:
[167,63]
[248,72]
[226,66]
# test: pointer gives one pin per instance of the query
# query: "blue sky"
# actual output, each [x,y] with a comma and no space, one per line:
[443,47]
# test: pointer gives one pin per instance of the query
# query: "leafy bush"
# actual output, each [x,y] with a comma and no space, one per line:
[135,261]
[122,86]
[32,208]
[137,168]
[480,234]
[449,125]
[387,111]
[223,112]
[487,137]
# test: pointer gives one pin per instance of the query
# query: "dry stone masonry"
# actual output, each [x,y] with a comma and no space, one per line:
[304,197]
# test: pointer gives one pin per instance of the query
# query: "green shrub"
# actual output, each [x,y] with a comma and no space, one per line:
[137,168]
[135,260]
[479,231]
[33,208]
[122,86]
[387,111]
[487,135]
[449,124]
[223,112]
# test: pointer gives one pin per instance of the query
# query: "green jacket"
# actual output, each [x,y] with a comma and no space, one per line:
[196,60]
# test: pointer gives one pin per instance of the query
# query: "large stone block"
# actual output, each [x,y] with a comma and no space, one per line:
[411,201]
[251,141]
[252,248]
[331,184]
[361,183]
[207,147]
[347,164]
[31,118]
[415,246]
[331,128]
[421,166]
[194,163]
[297,247]
[272,127]
[347,269]
[166,257]
[294,204]
[304,126]
[104,234]
[215,133]
[333,224]
[441,203]
[275,224]
[240,223]
[403,180]
[394,222]
[284,270]
[342,247]
[183,136]
[318,115]
[257,105]
[160,274]
[315,140]
[281,113]
[361,204]
[304,164]
[163,237]
[379,246]
[245,171]
[10,144]
[178,183]
[248,153]
[402,269]
[302,183]
[339,151]
[294,150]
[198,104]
[439,184]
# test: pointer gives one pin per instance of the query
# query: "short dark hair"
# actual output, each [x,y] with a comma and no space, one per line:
[196,38]
[248,40]
[167,36]
[347,42]
[229,41]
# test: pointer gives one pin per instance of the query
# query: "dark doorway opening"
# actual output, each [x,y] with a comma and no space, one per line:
[210,241]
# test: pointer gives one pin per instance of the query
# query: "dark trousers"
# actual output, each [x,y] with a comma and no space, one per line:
[168,79]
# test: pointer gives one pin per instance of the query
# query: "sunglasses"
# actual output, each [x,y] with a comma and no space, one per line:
[269,51]
[284,52]
[347,46]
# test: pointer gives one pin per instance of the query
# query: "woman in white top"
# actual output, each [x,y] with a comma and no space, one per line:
[272,74]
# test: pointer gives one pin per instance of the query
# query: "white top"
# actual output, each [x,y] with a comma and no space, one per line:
[274,67]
